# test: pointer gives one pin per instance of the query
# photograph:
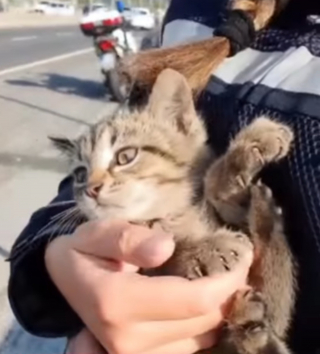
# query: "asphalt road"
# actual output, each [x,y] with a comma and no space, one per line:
[26,45]
[58,97]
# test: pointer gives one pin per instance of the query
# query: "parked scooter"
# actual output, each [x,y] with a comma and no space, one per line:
[110,49]
[112,41]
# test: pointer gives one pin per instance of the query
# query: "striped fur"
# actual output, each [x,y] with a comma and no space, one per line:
[168,175]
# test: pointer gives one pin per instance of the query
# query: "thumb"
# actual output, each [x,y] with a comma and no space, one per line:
[123,242]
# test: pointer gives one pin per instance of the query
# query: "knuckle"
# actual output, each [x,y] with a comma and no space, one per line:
[125,239]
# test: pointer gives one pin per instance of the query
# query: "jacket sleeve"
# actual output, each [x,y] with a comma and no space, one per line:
[35,301]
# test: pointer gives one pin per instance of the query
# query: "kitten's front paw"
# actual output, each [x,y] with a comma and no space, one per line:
[225,250]
[266,141]
[219,253]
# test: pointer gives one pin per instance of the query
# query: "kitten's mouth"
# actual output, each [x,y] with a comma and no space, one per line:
[102,204]
[113,206]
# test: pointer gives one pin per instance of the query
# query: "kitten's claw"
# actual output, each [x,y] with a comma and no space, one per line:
[229,248]
[219,253]
[266,140]
[248,322]
[260,143]
[229,179]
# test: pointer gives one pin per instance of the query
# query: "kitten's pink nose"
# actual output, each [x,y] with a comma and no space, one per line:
[93,190]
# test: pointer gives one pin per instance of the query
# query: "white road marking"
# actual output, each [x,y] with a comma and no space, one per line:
[45,61]
[27,38]
[62,34]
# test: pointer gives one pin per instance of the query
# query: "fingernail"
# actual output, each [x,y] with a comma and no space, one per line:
[156,250]
[248,259]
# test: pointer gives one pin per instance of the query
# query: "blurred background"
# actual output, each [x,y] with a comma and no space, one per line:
[26,5]
[55,79]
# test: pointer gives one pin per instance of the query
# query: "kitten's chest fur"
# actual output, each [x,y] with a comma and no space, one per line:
[190,227]
[195,218]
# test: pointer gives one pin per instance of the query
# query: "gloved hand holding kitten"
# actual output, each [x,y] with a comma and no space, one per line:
[128,312]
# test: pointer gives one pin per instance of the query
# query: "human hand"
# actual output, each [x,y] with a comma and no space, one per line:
[95,270]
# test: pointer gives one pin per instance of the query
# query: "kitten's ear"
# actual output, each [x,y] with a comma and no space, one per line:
[66,146]
[171,98]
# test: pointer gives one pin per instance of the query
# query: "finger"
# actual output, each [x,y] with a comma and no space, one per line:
[165,332]
[124,242]
[186,346]
[177,298]
[130,296]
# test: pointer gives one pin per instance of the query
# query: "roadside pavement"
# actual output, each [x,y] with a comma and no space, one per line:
[16,19]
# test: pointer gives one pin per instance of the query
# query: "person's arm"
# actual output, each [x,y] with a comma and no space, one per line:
[37,304]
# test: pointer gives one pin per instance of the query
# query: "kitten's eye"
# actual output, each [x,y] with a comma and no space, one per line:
[80,174]
[126,156]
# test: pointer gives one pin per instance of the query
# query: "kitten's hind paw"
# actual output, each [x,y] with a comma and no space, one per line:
[248,326]
[248,330]
[264,214]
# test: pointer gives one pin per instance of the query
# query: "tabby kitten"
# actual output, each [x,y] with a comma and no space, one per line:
[154,165]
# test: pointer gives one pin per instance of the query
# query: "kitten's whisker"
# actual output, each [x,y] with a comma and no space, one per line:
[68,222]
[76,222]
[56,219]
[45,229]
[62,226]
[65,202]
[72,224]
[57,216]
[64,221]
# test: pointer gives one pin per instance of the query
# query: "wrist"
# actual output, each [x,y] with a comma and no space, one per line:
[71,270]
[56,258]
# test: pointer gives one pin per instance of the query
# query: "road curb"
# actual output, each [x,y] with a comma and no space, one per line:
[11,21]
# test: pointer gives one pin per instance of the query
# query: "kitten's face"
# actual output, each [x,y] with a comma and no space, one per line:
[135,167]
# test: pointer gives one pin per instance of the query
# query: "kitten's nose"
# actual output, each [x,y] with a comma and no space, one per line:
[93,190]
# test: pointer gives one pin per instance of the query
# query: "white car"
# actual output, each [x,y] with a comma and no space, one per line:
[127,14]
[140,17]
[94,8]
[54,8]
[41,6]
